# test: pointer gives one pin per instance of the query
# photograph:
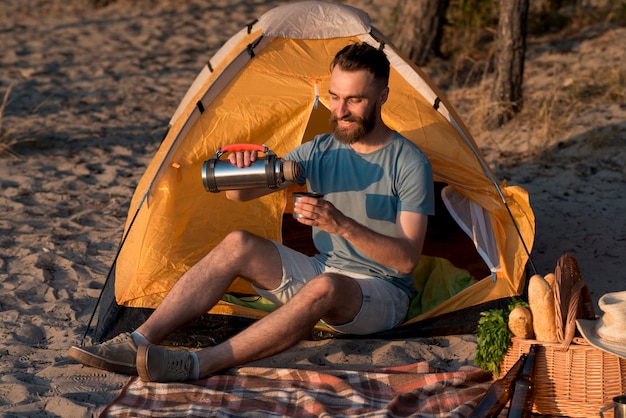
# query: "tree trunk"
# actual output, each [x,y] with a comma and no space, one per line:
[506,95]
[420,28]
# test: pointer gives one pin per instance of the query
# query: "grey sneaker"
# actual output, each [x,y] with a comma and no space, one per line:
[158,364]
[116,355]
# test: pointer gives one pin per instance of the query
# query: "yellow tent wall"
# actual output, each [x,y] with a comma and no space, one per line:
[263,89]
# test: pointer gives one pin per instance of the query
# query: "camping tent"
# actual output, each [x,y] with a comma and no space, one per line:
[268,85]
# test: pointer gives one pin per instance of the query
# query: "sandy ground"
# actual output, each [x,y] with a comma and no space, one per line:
[91,92]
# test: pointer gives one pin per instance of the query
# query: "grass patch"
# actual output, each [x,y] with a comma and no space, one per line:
[608,83]
[6,140]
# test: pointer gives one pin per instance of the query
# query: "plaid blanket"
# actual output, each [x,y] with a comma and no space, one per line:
[414,390]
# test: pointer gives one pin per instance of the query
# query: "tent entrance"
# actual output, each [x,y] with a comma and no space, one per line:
[446,239]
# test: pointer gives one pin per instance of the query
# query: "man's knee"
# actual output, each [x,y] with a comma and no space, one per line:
[340,295]
[240,241]
[245,247]
[329,284]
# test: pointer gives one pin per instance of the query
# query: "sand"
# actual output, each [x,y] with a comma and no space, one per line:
[91,93]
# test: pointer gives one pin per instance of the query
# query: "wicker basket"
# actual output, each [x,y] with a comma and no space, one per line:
[572,378]
[576,382]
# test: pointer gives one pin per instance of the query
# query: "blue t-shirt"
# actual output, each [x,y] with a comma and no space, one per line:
[369,188]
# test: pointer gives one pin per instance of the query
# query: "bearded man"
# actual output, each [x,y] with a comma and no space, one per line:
[369,230]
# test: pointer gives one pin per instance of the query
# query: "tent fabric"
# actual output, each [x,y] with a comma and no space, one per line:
[314,20]
[268,85]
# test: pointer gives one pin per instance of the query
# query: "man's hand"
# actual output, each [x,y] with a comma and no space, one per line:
[242,158]
[320,213]
[401,252]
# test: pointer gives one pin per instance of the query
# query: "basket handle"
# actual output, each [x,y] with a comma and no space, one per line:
[566,275]
[580,306]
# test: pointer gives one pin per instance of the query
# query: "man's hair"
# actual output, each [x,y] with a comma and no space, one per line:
[362,56]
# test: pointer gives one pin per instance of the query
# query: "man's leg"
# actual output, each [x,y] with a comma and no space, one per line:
[240,254]
[201,287]
[331,297]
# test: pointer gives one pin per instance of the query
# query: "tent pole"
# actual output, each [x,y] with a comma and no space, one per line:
[489,173]
[119,250]
[519,233]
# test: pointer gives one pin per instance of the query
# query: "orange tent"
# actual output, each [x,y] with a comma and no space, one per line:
[268,85]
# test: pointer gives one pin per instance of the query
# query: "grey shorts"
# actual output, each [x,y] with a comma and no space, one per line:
[384,305]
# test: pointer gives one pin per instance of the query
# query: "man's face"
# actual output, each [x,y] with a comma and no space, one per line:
[354,104]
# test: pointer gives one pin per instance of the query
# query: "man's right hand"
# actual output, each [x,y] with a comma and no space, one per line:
[242,158]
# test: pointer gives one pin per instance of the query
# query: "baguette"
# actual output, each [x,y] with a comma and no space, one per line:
[550,278]
[541,303]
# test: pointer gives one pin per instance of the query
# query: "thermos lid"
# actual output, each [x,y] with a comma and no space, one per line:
[290,170]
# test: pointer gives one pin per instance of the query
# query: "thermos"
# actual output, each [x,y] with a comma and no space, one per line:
[269,171]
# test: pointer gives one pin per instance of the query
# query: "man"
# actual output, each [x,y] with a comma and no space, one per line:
[369,230]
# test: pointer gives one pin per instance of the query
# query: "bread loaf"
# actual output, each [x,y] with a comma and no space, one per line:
[520,322]
[541,302]
[550,278]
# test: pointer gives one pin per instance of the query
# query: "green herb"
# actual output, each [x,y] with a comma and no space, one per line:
[493,337]
[517,302]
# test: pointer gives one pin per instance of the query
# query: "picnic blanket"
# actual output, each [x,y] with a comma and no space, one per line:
[415,390]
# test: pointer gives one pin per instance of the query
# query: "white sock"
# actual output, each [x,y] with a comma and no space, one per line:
[195,373]
[139,339]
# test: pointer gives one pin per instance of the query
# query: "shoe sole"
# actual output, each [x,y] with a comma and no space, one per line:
[142,362]
[90,359]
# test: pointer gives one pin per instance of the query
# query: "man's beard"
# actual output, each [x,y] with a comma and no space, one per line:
[350,136]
